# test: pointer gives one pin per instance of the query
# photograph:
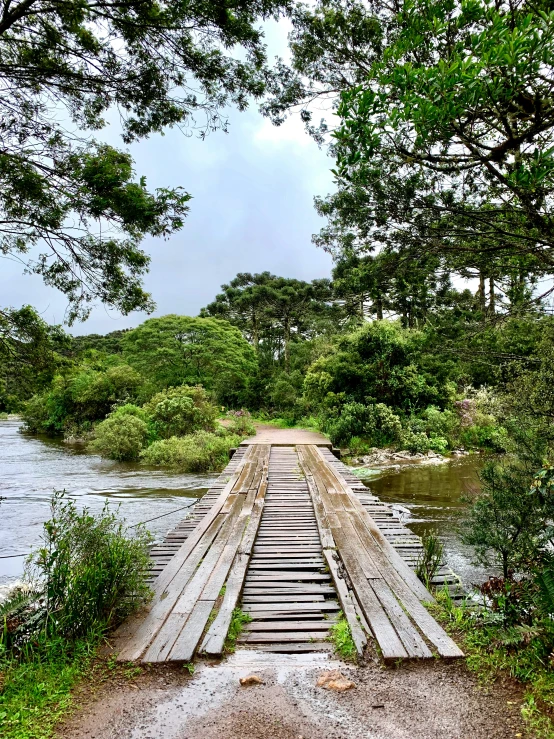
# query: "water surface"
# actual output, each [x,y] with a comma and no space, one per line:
[31,468]
[435,496]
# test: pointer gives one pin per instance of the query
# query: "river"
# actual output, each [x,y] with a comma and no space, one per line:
[31,468]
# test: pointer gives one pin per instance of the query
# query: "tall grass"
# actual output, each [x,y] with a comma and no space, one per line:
[85,578]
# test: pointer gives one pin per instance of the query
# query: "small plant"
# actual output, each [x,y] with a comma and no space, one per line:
[238,620]
[92,574]
[341,636]
[189,667]
[241,423]
[430,558]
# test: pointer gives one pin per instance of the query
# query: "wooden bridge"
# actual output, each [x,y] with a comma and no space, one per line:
[292,538]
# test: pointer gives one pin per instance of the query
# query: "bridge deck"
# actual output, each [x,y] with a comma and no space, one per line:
[293,538]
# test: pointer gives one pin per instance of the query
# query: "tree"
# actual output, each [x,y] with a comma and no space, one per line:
[446,128]
[29,355]
[242,304]
[272,311]
[64,66]
[175,350]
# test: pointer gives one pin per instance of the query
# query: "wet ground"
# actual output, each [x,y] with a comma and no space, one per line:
[439,700]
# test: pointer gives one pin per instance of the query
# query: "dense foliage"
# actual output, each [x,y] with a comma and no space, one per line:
[89,574]
[72,208]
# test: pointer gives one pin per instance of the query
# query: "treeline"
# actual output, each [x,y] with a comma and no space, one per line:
[418,376]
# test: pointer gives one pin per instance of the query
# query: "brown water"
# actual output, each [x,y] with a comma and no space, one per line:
[32,468]
[433,498]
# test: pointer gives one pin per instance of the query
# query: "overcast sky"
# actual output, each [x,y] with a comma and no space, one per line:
[252,210]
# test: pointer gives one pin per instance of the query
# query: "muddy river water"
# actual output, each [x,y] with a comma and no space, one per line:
[32,468]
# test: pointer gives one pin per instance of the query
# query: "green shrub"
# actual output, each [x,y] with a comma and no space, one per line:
[90,575]
[438,444]
[241,423]
[198,452]
[181,410]
[355,419]
[415,443]
[74,402]
[491,437]
[122,436]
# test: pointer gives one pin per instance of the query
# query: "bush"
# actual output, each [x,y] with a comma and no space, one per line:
[122,436]
[438,444]
[198,452]
[355,419]
[241,423]
[378,424]
[181,410]
[76,401]
[415,443]
[90,576]
[510,523]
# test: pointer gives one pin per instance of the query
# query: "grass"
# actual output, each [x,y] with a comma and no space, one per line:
[36,692]
[238,620]
[493,651]
[308,422]
[341,637]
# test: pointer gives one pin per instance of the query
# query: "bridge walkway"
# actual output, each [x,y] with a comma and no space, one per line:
[290,537]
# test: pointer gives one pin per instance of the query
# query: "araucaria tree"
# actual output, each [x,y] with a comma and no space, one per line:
[71,207]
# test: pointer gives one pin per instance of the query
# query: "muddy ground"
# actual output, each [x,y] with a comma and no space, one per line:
[436,700]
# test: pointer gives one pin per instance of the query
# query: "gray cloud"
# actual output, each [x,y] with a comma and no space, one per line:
[252,210]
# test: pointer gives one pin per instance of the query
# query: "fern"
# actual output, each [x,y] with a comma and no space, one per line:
[546,584]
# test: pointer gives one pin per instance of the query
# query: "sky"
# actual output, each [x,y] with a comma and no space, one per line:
[252,210]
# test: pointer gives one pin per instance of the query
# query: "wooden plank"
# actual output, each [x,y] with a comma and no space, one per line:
[326,537]
[164,640]
[136,634]
[327,605]
[214,640]
[185,646]
[396,560]
[347,605]
[428,625]
[285,615]
[289,625]
[383,631]
[269,636]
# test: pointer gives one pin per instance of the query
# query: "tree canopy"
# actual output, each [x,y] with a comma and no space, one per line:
[445,131]
[273,311]
[175,350]
[71,207]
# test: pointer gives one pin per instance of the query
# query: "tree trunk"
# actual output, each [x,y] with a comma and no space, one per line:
[379,307]
[482,302]
[492,301]
[255,336]
[287,345]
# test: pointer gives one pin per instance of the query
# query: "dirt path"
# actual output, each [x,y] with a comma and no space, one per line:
[415,701]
